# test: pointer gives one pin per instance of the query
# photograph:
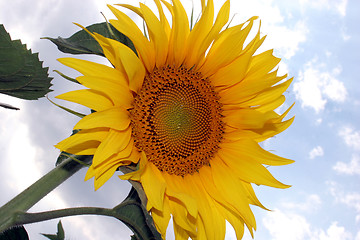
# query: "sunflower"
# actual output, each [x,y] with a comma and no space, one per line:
[189,108]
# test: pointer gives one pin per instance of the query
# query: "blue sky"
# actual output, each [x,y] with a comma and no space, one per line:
[319,43]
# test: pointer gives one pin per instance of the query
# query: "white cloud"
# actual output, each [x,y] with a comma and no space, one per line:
[344,34]
[290,226]
[286,226]
[316,152]
[316,86]
[333,5]
[319,121]
[351,137]
[341,7]
[351,199]
[334,232]
[20,157]
[311,203]
[350,168]
[286,40]
[29,28]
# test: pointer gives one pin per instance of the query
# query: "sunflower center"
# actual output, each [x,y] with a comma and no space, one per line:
[177,120]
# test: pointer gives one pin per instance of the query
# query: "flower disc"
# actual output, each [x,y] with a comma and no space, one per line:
[177,120]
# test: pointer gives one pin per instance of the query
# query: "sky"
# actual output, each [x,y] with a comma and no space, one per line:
[319,43]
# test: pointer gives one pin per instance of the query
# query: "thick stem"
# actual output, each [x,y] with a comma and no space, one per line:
[30,196]
[26,218]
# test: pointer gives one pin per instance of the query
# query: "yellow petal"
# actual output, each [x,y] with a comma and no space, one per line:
[226,48]
[235,221]
[124,59]
[154,186]
[125,157]
[274,104]
[115,142]
[125,25]
[115,118]
[104,177]
[205,173]
[203,5]
[84,148]
[81,138]
[246,118]
[132,8]
[86,98]
[162,218]
[90,173]
[272,129]
[201,232]
[119,94]
[266,96]
[163,19]
[180,218]
[233,134]
[136,175]
[282,116]
[207,213]
[221,19]
[247,170]
[251,149]
[179,34]
[232,73]
[237,70]
[263,62]
[248,88]
[88,68]
[251,195]
[157,35]
[199,33]
[179,232]
[226,181]
[177,188]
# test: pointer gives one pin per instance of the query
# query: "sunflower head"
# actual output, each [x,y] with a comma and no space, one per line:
[190,108]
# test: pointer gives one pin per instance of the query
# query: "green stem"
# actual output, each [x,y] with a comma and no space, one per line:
[26,218]
[30,196]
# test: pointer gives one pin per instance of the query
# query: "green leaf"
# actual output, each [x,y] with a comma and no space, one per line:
[21,72]
[60,235]
[50,236]
[134,215]
[16,233]
[83,43]
[60,231]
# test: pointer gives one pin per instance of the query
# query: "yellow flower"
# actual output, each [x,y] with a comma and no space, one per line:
[190,108]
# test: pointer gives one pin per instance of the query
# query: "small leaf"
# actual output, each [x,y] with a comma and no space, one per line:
[60,235]
[21,72]
[16,233]
[60,231]
[134,215]
[50,236]
[83,43]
